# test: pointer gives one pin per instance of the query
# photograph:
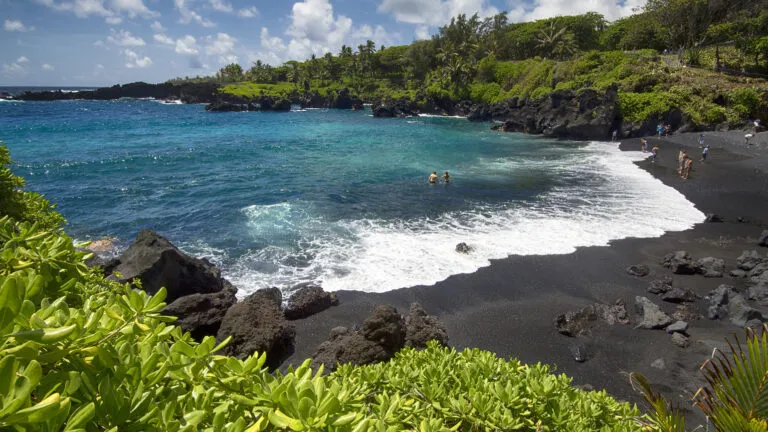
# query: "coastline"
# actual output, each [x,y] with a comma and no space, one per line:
[509,307]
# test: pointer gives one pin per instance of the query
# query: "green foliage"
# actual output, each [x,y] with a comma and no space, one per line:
[746,101]
[662,417]
[736,395]
[22,205]
[640,107]
[82,353]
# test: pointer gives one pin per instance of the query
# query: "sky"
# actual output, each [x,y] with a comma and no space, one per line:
[105,42]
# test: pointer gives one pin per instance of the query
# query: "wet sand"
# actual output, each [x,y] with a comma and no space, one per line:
[509,307]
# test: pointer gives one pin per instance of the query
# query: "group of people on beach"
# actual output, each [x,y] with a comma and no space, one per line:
[433,177]
[684,164]
[663,129]
[654,150]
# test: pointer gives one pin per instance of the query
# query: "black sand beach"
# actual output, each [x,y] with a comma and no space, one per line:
[509,308]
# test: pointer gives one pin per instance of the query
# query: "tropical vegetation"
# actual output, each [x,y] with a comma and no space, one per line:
[723,45]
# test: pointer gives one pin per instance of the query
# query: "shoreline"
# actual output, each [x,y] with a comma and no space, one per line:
[509,307]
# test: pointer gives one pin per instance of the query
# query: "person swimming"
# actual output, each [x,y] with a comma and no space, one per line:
[433,177]
[446,177]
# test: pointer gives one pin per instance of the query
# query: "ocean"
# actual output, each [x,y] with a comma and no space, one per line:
[335,197]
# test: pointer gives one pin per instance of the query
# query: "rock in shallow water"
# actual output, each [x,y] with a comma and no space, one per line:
[464,248]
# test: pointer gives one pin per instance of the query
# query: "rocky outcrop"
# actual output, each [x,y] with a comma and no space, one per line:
[749,260]
[579,323]
[201,314]
[397,108]
[308,299]
[680,262]
[257,324]
[382,335]
[187,93]
[653,316]
[158,263]
[586,114]
[264,103]
[421,328]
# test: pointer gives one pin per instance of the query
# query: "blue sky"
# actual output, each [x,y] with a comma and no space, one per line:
[104,42]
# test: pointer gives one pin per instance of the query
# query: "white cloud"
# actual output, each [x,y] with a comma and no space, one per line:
[187,45]
[436,12]
[538,9]
[133,8]
[134,61]
[14,69]
[222,44]
[164,39]
[315,29]
[125,38]
[100,43]
[98,70]
[113,20]
[422,32]
[16,26]
[46,67]
[250,12]
[221,6]
[22,60]
[156,26]
[188,15]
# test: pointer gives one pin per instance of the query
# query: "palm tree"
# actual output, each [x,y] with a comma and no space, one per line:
[555,41]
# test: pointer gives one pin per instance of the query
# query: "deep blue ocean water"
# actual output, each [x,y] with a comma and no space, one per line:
[336,197]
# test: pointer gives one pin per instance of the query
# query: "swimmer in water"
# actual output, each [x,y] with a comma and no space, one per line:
[433,177]
[446,177]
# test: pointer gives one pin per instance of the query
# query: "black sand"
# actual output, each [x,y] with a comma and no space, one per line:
[509,307]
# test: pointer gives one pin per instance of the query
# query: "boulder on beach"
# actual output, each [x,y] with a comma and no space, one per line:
[680,340]
[741,313]
[679,295]
[201,314]
[158,263]
[652,315]
[759,294]
[638,270]
[579,323]
[308,299]
[718,299]
[257,324]
[713,218]
[421,328]
[763,241]
[680,262]
[748,260]
[382,335]
[660,286]
[710,267]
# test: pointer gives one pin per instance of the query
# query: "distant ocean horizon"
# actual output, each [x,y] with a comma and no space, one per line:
[330,196]
[15,90]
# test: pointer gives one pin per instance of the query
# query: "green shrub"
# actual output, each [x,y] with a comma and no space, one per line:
[640,107]
[745,100]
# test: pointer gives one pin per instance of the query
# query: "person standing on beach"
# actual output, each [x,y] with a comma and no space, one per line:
[644,145]
[614,135]
[654,153]
[433,177]
[701,140]
[681,161]
[704,152]
[687,167]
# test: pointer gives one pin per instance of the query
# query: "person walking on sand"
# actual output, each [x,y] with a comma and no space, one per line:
[681,162]
[614,135]
[446,177]
[433,177]
[687,168]
[704,152]
[644,145]
[701,140]
[654,153]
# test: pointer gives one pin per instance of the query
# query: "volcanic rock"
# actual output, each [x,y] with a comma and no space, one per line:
[464,248]
[653,316]
[421,328]
[711,267]
[308,299]
[201,314]
[680,263]
[638,270]
[158,263]
[257,324]
[679,295]
[660,286]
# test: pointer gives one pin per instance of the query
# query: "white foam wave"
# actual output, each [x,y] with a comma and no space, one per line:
[441,116]
[381,255]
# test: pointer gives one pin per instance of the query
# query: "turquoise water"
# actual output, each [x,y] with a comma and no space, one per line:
[337,197]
